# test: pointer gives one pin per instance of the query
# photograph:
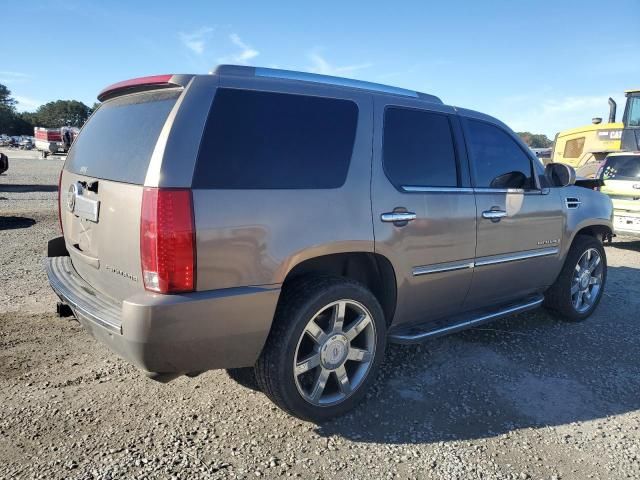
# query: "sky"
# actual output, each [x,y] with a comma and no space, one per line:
[540,66]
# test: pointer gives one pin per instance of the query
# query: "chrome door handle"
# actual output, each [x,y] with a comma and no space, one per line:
[494,214]
[394,217]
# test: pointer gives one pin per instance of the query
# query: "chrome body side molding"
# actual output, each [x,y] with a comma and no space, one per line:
[482,261]
[442,267]
[514,257]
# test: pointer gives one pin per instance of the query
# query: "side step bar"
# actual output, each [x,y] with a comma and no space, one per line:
[417,334]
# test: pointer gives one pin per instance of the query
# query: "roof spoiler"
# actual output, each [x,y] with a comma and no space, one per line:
[144,83]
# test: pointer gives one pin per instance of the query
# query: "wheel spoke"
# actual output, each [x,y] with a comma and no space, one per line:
[358,355]
[584,260]
[578,302]
[594,281]
[594,263]
[338,317]
[358,326]
[343,380]
[315,332]
[309,363]
[320,383]
[574,288]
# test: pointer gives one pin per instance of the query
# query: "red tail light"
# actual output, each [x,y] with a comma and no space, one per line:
[167,240]
[59,202]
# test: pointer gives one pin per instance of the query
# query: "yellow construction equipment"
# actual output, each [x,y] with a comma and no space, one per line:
[584,148]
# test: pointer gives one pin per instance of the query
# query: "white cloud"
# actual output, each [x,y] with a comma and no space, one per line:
[26,103]
[321,65]
[196,40]
[244,56]
[13,77]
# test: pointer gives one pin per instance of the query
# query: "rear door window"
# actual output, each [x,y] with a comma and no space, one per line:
[497,160]
[118,140]
[418,149]
[265,140]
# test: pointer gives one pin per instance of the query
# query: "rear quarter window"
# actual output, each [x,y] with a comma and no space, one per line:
[265,140]
[118,140]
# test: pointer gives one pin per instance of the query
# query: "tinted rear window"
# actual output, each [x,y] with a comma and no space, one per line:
[118,140]
[418,149]
[262,140]
[622,168]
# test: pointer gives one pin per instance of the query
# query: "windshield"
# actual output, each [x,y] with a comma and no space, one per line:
[622,167]
[118,140]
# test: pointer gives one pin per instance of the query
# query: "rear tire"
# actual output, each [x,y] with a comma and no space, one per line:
[324,349]
[578,289]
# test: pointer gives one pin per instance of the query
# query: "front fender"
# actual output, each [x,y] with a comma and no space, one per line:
[595,210]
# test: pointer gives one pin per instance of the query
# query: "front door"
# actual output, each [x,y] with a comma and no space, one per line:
[423,207]
[519,223]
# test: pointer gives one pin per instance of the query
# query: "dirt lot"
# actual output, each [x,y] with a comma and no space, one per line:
[527,397]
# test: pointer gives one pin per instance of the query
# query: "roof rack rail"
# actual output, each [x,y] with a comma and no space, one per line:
[243,70]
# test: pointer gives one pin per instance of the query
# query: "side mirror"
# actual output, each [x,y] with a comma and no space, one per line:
[509,180]
[560,174]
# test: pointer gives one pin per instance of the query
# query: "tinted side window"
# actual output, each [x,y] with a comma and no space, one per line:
[498,160]
[418,149]
[261,140]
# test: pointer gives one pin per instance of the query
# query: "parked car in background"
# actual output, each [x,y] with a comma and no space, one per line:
[25,143]
[621,176]
[286,225]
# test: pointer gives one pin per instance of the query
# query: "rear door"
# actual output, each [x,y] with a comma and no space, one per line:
[101,189]
[519,223]
[423,207]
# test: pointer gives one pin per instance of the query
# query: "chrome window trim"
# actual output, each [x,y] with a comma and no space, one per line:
[483,190]
[480,190]
[442,267]
[420,189]
[496,259]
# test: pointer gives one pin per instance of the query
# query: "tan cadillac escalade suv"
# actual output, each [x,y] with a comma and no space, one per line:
[285,226]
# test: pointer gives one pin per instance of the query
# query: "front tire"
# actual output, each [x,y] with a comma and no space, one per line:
[324,348]
[578,289]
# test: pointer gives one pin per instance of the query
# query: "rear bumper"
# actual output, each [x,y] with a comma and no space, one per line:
[172,333]
[622,224]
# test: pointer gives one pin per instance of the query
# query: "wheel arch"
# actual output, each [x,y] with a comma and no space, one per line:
[373,270]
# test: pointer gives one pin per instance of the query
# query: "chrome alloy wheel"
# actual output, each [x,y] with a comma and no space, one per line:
[586,281]
[334,353]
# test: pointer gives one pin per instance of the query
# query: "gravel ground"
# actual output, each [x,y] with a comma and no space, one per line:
[526,397]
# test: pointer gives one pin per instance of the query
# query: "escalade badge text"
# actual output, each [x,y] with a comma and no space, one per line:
[117,271]
[549,242]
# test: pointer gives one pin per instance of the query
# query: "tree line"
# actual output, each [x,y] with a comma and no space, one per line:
[71,112]
[51,115]
[535,140]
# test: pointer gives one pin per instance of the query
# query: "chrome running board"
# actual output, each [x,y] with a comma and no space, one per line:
[419,333]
